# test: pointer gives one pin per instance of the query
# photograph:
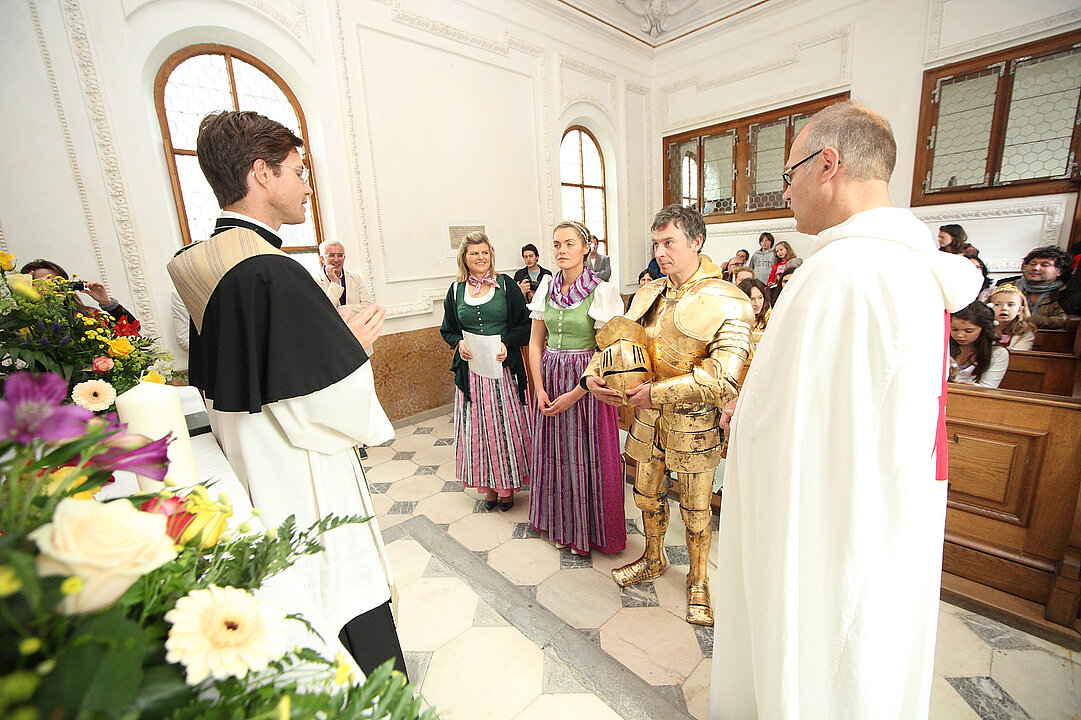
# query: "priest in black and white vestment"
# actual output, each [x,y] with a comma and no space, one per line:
[288,385]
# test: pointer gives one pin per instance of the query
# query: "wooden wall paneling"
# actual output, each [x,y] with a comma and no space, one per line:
[1035,371]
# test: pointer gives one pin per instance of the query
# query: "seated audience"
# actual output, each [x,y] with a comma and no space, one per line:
[654,268]
[952,239]
[741,258]
[760,304]
[788,273]
[783,254]
[1044,272]
[1069,298]
[1015,327]
[645,277]
[742,274]
[528,278]
[985,291]
[763,258]
[42,268]
[976,358]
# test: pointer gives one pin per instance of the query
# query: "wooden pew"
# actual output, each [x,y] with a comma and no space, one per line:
[1048,373]
[1058,340]
[1013,523]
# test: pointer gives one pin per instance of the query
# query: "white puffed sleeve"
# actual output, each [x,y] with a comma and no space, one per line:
[606,305]
[540,298]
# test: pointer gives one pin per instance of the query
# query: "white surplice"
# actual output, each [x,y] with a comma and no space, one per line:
[296,457]
[830,544]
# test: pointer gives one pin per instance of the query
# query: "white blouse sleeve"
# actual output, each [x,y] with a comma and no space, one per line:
[1000,361]
[540,297]
[606,305]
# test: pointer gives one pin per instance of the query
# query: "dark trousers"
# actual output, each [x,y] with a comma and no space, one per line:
[372,639]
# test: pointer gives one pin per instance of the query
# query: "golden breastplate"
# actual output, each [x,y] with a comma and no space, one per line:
[671,351]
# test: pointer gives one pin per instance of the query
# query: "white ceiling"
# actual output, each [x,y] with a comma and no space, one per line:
[656,22]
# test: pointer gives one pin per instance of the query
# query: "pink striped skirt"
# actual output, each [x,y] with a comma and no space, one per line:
[576,493]
[492,438]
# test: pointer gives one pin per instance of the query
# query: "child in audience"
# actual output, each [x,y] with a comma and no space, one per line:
[645,277]
[1015,328]
[756,290]
[978,360]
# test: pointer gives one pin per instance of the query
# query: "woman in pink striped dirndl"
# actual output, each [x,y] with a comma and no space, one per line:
[576,495]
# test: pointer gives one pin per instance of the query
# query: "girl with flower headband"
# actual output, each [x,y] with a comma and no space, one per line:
[491,428]
[576,495]
[1015,327]
[976,358]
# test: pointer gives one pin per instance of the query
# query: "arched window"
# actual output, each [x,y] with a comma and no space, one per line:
[581,171]
[201,79]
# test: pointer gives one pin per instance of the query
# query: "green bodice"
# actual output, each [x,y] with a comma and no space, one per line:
[487,319]
[570,329]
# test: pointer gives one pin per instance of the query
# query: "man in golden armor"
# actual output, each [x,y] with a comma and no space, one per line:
[696,336]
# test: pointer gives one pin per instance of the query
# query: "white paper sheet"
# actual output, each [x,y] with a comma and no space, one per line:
[484,349]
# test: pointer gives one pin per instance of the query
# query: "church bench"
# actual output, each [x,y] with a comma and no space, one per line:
[1048,373]
[1013,521]
[1061,341]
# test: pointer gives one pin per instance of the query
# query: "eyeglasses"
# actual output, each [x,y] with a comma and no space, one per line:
[302,172]
[787,174]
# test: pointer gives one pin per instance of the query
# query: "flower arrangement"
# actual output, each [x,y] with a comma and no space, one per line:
[143,607]
[44,328]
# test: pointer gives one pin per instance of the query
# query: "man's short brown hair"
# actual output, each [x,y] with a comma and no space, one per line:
[687,219]
[229,142]
[863,139]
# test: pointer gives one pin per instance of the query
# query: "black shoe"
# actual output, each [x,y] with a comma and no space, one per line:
[490,504]
[505,506]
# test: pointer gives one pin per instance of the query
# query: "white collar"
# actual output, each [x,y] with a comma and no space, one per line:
[238,216]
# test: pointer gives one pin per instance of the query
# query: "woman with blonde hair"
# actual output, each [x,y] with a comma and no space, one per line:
[492,443]
[576,495]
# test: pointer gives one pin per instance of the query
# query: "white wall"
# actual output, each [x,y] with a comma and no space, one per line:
[428,112]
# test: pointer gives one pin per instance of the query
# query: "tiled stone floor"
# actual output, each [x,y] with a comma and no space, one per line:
[509,644]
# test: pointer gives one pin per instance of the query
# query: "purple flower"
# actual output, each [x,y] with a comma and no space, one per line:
[136,454]
[31,408]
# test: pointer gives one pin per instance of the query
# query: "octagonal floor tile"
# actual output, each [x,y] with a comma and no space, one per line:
[525,562]
[377,456]
[582,597]
[407,561]
[381,503]
[391,471]
[672,590]
[446,507]
[579,705]
[432,611]
[482,531]
[413,443]
[447,469]
[435,455]
[1046,685]
[959,652]
[486,673]
[653,643]
[416,487]
[947,704]
[696,690]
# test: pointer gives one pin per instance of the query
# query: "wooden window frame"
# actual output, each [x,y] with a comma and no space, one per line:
[166,70]
[741,157]
[1005,60]
[582,186]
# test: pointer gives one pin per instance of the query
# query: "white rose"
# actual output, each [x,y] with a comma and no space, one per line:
[106,545]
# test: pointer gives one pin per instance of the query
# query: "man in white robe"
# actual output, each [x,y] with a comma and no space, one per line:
[832,519]
[288,385]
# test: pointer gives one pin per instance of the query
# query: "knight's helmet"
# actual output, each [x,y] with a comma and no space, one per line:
[624,360]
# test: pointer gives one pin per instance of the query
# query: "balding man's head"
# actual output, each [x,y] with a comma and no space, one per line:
[863,140]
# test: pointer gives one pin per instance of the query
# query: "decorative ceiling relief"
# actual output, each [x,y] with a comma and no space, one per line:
[656,22]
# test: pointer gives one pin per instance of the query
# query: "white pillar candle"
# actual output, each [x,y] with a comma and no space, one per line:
[154,410]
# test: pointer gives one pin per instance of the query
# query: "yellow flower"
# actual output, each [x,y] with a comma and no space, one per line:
[209,521]
[23,284]
[9,581]
[120,347]
[72,585]
[154,377]
[29,646]
[343,672]
[7,261]
[59,481]
[285,707]
[25,332]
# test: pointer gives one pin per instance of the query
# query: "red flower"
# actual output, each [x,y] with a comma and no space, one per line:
[124,328]
[103,364]
[172,508]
